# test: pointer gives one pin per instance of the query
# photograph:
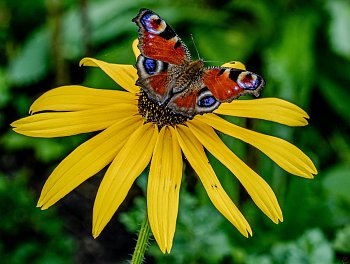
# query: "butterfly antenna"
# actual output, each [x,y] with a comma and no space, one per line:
[214,61]
[194,44]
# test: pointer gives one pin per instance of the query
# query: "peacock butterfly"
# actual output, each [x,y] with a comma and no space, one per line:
[168,74]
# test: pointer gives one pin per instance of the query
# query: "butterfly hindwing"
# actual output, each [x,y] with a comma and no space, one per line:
[227,84]
[153,77]
[197,99]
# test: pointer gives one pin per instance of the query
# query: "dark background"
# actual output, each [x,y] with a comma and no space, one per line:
[301,48]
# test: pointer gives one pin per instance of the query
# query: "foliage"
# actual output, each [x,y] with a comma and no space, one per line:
[28,235]
[302,48]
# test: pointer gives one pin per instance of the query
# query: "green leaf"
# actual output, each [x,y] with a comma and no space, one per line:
[29,230]
[337,181]
[109,19]
[311,247]
[31,63]
[224,45]
[45,150]
[4,90]
[290,59]
[134,217]
[342,240]
[339,33]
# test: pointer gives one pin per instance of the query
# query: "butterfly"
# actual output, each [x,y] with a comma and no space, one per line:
[169,76]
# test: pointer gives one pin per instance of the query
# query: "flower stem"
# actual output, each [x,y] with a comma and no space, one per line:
[142,242]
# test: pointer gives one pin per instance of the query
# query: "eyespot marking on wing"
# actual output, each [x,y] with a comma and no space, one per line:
[153,23]
[150,66]
[206,102]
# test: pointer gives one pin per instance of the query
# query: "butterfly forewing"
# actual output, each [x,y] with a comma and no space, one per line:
[158,41]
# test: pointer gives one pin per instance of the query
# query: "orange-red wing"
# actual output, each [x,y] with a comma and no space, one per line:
[227,84]
[159,83]
[158,48]
[158,41]
[184,103]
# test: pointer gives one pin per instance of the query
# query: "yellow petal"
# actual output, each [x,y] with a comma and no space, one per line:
[271,109]
[195,155]
[135,48]
[286,155]
[125,168]
[75,97]
[86,160]
[163,188]
[124,75]
[234,65]
[257,188]
[60,124]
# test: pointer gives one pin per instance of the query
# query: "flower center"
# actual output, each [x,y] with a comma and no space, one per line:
[158,114]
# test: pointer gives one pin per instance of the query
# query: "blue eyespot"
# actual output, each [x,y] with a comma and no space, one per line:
[207,101]
[150,66]
[153,23]
[146,19]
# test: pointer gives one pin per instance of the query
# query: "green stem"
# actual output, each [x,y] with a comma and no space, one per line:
[142,242]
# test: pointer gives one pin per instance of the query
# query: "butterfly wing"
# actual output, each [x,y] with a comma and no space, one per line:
[153,78]
[165,63]
[196,99]
[163,56]
[158,41]
[215,85]
[227,84]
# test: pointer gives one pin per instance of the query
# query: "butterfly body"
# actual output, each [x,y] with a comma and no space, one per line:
[192,72]
[168,74]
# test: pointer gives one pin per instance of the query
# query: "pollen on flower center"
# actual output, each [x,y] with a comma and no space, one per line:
[158,114]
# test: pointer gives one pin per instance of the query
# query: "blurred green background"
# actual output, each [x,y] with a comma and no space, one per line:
[301,48]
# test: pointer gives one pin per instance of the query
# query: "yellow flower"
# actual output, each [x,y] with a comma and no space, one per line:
[129,143]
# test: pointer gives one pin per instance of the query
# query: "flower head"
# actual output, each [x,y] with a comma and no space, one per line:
[136,131]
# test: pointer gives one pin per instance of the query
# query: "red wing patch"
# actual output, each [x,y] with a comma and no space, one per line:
[184,103]
[157,86]
[222,87]
[158,48]
[158,41]
[227,84]
[158,83]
